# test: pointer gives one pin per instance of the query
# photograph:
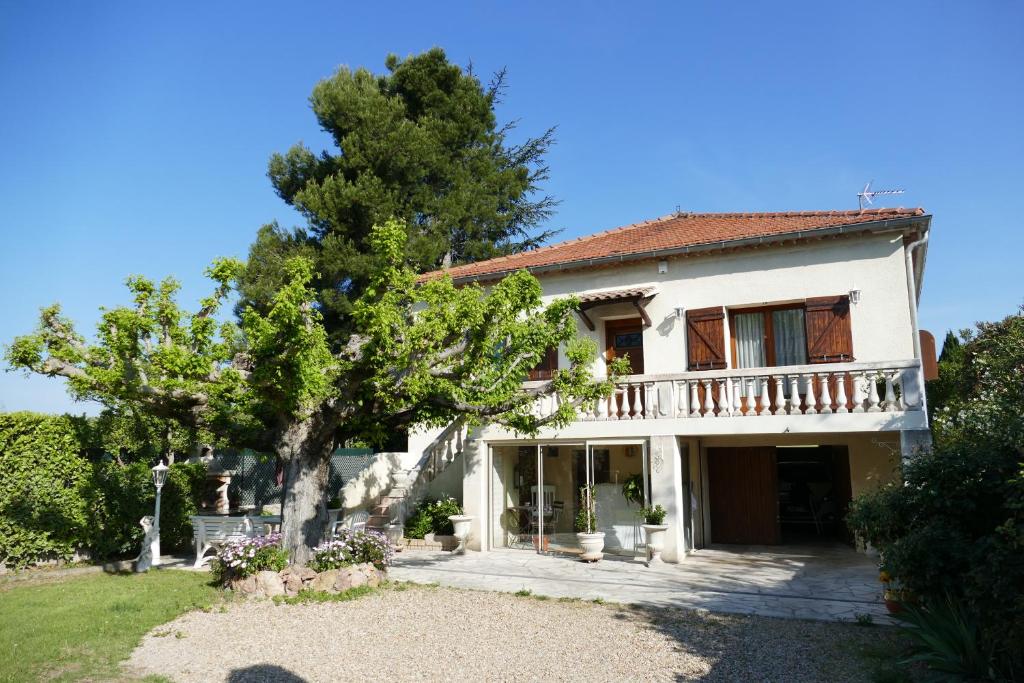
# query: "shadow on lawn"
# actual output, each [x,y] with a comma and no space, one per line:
[263,673]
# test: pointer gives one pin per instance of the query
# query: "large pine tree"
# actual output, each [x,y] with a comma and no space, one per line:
[420,144]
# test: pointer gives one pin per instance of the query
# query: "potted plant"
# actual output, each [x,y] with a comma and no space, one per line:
[654,528]
[591,540]
[333,511]
[894,595]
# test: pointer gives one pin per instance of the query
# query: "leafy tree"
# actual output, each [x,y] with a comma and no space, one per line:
[955,525]
[418,354]
[419,144]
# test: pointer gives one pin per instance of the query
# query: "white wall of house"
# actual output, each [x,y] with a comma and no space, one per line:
[873,264]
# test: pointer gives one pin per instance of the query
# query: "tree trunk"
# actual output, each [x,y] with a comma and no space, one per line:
[306,453]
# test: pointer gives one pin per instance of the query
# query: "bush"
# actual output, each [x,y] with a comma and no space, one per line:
[352,547]
[120,495]
[431,516]
[43,475]
[954,531]
[246,557]
[54,500]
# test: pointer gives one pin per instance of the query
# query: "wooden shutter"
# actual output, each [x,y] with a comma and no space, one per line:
[829,339]
[705,338]
[546,367]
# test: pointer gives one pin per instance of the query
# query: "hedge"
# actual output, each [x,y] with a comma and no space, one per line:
[55,499]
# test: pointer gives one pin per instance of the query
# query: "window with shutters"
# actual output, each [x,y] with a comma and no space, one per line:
[545,369]
[817,331]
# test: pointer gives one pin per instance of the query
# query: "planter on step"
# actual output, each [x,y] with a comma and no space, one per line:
[592,545]
[462,525]
[655,542]
[394,533]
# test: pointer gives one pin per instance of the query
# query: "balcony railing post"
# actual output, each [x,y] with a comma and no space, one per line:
[794,395]
[723,398]
[694,399]
[709,402]
[841,393]
[872,382]
[810,401]
[681,396]
[826,397]
[780,396]
[650,409]
[890,392]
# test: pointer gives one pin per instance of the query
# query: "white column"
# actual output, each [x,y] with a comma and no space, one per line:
[751,403]
[723,398]
[826,397]
[858,392]
[709,401]
[841,393]
[810,401]
[694,399]
[794,395]
[475,475]
[872,382]
[780,396]
[667,491]
[764,399]
[737,406]
[890,394]
[681,395]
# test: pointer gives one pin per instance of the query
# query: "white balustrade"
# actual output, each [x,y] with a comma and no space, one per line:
[749,392]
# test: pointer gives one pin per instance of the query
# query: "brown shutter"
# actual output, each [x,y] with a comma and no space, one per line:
[829,339]
[705,338]
[546,367]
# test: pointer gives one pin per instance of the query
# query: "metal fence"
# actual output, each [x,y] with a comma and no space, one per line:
[254,479]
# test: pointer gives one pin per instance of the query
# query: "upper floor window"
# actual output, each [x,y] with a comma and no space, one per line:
[769,337]
[816,331]
[545,369]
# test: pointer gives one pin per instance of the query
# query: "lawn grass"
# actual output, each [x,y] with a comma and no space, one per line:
[81,627]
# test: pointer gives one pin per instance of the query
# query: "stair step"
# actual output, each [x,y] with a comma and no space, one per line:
[378,520]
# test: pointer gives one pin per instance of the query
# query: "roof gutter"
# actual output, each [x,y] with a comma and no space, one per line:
[888,225]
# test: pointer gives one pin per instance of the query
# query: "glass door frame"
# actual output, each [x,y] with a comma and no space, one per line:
[588,449]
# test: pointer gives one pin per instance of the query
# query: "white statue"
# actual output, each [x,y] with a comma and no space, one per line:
[145,559]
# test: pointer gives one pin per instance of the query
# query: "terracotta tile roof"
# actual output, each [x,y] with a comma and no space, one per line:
[675,231]
[616,294]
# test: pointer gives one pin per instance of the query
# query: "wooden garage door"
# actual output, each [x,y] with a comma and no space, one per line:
[743,495]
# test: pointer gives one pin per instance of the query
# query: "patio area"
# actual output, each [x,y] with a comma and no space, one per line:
[821,582]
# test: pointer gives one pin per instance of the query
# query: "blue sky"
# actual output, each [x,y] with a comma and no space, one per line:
[134,136]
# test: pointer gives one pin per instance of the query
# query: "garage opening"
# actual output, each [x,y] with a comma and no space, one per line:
[765,495]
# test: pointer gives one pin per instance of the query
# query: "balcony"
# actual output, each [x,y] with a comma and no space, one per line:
[790,395]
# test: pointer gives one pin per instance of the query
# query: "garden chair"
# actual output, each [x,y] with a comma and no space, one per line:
[355,522]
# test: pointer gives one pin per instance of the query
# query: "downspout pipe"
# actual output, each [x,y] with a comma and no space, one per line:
[912,296]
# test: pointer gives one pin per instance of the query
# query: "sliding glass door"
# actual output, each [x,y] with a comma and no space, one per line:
[537,492]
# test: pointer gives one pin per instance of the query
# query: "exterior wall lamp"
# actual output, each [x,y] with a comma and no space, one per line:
[662,267]
[854,296]
[680,312]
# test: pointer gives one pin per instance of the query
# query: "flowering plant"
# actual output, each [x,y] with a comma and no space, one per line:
[352,547]
[246,556]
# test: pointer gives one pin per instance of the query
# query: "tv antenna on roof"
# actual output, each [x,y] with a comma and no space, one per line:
[866,195]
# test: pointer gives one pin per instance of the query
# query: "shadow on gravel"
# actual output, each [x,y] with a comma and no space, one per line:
[263,673]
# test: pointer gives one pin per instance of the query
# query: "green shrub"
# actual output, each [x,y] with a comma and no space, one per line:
[586,512]
[42,477]
[120,495]
[431,516]
[54,500]
[654,515]
[953,529]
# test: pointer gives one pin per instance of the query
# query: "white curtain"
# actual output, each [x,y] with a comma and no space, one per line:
[750,351]
[749,333]
[790,337]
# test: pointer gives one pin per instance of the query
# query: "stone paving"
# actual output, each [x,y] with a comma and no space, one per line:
[822,582]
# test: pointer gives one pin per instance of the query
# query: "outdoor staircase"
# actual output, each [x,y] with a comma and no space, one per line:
[407,487]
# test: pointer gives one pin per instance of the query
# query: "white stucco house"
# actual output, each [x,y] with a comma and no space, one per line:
[776,373]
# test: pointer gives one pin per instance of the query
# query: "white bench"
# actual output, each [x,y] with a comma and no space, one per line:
[213,531]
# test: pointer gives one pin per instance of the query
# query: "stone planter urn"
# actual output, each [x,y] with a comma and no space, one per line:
[592,545]
[655,542]
[394,533]
[462,524]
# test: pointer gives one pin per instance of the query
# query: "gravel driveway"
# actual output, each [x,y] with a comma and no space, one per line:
[430,633]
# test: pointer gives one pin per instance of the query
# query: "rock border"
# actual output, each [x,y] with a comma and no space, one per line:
[290,581]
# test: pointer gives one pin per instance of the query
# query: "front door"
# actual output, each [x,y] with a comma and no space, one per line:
[743,495]
[626,338]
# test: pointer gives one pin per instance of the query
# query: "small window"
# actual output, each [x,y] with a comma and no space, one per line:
[630,340]
[545,369]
